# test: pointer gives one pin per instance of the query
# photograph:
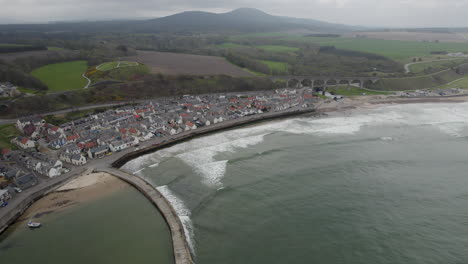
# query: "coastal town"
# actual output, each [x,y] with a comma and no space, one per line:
[46,151]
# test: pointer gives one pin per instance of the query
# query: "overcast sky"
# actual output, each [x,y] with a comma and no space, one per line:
[388,13]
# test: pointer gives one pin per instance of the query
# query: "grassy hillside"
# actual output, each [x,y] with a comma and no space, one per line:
[7,132]
[415,83]
[435,65]
[353,91]
[276,66]
[132,73]
[62,76]
[460,83]
[116,64]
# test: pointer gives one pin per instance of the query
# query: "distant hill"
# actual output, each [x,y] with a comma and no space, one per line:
[243,20]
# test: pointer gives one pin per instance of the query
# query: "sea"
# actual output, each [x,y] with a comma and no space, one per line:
[382,185]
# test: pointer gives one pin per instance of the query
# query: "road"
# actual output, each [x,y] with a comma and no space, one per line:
[81,108]
[89,81]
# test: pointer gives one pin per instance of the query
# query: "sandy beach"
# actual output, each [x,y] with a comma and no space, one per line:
[80,190]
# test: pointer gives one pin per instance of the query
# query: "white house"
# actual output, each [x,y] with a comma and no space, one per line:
[78,160]
[23,142]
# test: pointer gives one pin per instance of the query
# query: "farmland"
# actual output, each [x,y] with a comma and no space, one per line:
[230,45]
[277,48]
[41,54]
[394,49]
[62,76]
[411,36]
[176,63]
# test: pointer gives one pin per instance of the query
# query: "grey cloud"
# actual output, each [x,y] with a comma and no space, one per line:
[396,13]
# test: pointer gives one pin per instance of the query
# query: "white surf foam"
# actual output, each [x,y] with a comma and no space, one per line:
[202,160]
[182,212]
[154,165]
[138,172]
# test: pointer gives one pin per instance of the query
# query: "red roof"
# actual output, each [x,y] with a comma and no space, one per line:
[309,96]
[184,115]
[137,116]
[190,124]
[72,137]
[133,130]
[24,140]
[90,144]
[55,128]
[5,151]
[123,131]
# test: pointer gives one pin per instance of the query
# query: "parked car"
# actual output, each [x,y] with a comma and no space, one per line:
[18,190]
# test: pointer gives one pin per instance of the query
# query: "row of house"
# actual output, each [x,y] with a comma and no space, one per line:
[115,130]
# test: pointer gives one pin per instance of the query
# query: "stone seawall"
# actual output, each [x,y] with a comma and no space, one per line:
[182,254]
[206,131]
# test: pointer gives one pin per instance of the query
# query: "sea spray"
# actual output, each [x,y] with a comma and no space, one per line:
[182,212]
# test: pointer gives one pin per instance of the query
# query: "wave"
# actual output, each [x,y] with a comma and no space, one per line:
[154,165]
[451,119]
[202,160]
[182,212]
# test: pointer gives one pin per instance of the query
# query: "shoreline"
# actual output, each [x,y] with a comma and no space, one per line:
[83,189]
[113,164]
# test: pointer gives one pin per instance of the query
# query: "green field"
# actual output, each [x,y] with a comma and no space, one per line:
[260,35]
[394,49]
[230,45]
[62,76]
[276,66]
[435,65]
[115,64]
[277,48]
[7,132]
[12,45]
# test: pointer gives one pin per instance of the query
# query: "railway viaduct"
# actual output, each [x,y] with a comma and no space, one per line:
[323,81]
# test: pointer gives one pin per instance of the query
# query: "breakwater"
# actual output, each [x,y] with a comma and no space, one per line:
[181,249]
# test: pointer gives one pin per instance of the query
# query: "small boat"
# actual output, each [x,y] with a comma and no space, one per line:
[34,224]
